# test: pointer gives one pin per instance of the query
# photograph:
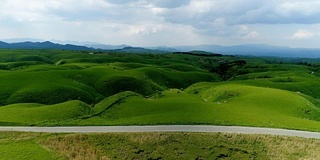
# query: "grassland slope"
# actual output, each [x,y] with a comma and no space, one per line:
[212,103]
[137,89]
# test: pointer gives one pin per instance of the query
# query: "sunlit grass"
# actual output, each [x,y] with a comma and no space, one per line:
[182,146]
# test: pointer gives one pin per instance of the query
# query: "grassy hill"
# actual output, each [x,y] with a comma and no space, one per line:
[31,114]
[213,103]
[115,88]
[69,88]
[203,103]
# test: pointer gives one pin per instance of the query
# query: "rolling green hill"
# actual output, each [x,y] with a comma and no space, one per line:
[56,87]
[212,103]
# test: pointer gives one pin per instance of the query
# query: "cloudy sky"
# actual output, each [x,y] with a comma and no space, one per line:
[294,23]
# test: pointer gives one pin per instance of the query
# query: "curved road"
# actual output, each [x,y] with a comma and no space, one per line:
[167,128]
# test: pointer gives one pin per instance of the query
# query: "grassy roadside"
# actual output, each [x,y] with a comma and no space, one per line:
[183,146]
[16,145]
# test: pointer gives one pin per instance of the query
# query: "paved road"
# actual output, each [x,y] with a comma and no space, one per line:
[167,128]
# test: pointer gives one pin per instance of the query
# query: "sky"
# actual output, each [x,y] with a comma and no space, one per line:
[293,23]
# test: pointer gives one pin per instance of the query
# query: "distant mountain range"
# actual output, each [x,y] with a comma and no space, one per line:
[256,50]
[106,47]
[42,45]
[248,50]
[91,47]
[245,50]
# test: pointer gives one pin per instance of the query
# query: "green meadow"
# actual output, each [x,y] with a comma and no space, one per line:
[70,88]
[44,146]
[73,88]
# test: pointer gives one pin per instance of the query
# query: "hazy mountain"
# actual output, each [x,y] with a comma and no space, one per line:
[106,47]
[140,50]
[50,45]
[42,45]
[163,48]
[255,50]
[249,49]
[17,40]
[4,45]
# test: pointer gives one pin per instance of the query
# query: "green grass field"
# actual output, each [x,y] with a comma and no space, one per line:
[203,103]
[212,103]
[70,88]
[54,87]
[14,145]
[43,146]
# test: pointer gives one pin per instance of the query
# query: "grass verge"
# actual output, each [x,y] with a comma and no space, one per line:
[182,146]
[48,146]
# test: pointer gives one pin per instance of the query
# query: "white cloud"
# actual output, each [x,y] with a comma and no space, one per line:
[303,7]
[303,34]
[243,28]
[153,22]
[252,35]
[143,29]
[247,12]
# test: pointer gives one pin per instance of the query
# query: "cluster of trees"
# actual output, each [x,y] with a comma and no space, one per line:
[226,70]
